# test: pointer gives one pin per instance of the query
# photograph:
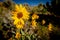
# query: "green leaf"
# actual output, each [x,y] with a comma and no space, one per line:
[22,32]
[28,37]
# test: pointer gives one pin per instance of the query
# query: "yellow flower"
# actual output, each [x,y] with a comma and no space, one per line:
[35,16]
[34,23]
[20,12]
[50,26]
[19,15]
[19,23]
[43,22]
[18,35]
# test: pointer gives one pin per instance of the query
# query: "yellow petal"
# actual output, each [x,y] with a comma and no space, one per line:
[20,7]
[19,26]
[15,22]
[22,21]
[17,7]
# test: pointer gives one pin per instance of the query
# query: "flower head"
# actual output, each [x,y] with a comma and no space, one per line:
[35,16]
[19,23]
[20,12]
[34,23]
[18,35]
[19,15]
[43,22]
[50,26]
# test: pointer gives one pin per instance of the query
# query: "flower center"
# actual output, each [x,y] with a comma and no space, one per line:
[19,15]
